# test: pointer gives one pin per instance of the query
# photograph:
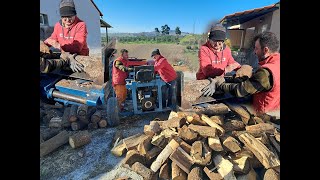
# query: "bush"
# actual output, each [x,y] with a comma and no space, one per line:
[188,47]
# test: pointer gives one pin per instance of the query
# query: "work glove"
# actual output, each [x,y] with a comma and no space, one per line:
[245,70]
[210,88]
[75,66]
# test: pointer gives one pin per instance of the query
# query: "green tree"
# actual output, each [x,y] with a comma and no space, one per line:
[157,31]
[165,29]
[178,32]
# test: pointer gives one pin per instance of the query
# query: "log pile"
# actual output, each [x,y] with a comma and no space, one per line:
[204,144]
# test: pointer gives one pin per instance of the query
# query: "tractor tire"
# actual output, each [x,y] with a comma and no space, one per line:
[113,112]
[180,85]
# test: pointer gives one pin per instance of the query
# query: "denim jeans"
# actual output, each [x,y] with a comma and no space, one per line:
[169,93]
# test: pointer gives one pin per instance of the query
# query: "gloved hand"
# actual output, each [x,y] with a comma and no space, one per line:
[44,48]
[245,70]
[74,64]
[219,80]
[210,88]
[230,67]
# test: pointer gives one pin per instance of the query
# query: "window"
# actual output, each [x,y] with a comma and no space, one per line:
[43,19]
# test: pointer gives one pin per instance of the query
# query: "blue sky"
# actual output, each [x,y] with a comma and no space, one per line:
[190,15]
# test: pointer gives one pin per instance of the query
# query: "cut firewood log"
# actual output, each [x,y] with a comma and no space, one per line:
[244,115]
[257,129]
[177,172]
[133,156]
[158,140]
[234,125]
[263,138]
[200,153]
[82,110]
[254,162]
[173,114]
[49,133]
[271,174]
[219,119]
[73,113]
[102,123]
[152,129]
[277,135]
[79,139]
[165,153]
[92,126]
[96,117]
[213,109]
[169,132]
[257,120]
[142,170]
[54,143]
[192,118]
[65,118]
[153,152]
[78,125]
[274,143]
[144,145]
[211,123]
[252,175]
[185,146]
[117,137]
[264,155]
[164,172]
[212,175]
[215,144]
[159,122]
[241,165]
[55,122]
[224,167]
[174,122]
[182,159]
[133,141]
[231,144]
[195,174]
[85,119]
[204,131]
[187,134]
[119,149]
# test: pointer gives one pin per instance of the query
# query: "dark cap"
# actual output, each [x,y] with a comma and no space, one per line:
[154,52]
[217,35]
[67,8]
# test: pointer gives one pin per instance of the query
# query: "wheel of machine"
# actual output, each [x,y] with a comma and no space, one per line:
[113,112]
[180,85]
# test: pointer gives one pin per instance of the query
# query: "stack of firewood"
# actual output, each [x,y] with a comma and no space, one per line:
[73,117]
[220,141]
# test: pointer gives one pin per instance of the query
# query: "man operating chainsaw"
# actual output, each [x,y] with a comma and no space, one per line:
[263,85]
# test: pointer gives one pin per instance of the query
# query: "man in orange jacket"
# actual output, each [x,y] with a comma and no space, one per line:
[168,75]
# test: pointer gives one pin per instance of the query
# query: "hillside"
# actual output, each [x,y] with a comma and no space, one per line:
[149,34]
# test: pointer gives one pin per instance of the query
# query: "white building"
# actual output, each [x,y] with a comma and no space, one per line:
[86,11]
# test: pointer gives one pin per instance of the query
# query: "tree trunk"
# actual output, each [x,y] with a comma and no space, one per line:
[80,139]
[54,143]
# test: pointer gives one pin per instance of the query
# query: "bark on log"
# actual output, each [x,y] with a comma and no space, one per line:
[258,129]
[73,113]
[213,124]
[55,122]
[78,125]
[271,174]
[185,146]
[204,131]
[182,159]
[49,133]
[215,144]
[117,137]
[200,153]
[169,132]
[54,143]
[92,126]
[133,141]
[133,156]
[96,117]
[145,145]
[212,175]
[152,129]
[65,118]
[225,167]
[103,123]
[219,119]
[252,175]
[172,115]
[187,134]
[158,140]
[234,125]
[192,118]
[85,119]
[145,172]
[174,122]
[82,110]
[154,151]
[164,172]
[231,144]
[213,109]
[244,115]
[274,143]
[264,155]
[177,172]
[165,153]
[119,149]
[80,139]
[195,174]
